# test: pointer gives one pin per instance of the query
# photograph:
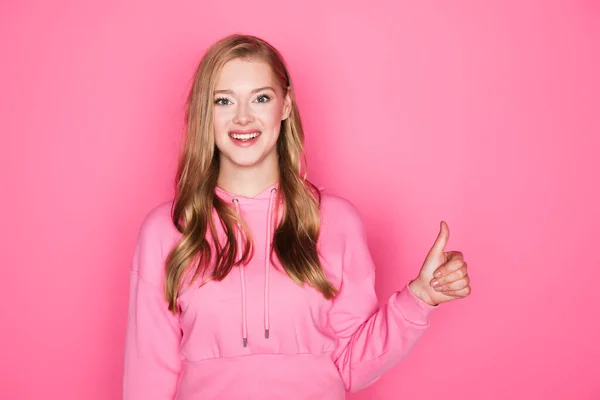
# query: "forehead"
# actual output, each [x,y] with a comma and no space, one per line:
[242,74]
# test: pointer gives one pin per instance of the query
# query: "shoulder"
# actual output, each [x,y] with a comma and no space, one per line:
[340,210]
[340,217]
[343,241]
[157,221]
[157,236]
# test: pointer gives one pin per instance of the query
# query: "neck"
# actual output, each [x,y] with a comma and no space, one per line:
[246,181]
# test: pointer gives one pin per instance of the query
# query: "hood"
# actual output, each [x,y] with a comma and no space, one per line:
[263,197]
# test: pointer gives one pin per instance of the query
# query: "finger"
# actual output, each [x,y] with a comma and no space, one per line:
[448,267]
[456,285]
[440,241]
[450,255]
[459,293]
[451,276]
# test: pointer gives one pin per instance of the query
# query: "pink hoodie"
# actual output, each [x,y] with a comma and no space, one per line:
[257,334]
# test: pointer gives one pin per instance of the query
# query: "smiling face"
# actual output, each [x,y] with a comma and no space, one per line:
[249,105]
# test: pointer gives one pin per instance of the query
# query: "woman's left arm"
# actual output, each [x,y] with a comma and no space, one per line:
[373,339]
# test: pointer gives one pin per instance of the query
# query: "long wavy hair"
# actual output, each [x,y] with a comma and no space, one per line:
[197,209]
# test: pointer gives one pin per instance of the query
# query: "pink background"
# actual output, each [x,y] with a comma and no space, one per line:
[484,115]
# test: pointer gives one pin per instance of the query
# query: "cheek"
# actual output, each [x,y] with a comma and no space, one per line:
[221,121]
[271,117]
[221,118]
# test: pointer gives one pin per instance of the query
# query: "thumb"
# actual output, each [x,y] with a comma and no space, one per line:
[437,250]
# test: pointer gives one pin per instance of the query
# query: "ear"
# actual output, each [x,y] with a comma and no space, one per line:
[287,105]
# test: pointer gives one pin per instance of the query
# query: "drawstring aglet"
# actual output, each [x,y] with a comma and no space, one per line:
[266,333]
[245,342]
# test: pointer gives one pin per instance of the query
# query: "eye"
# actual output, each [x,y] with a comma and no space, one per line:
[222,101]
[263,98]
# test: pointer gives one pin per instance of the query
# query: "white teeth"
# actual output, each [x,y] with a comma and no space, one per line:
[244,136]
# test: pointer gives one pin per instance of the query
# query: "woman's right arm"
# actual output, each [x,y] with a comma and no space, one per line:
[152,358]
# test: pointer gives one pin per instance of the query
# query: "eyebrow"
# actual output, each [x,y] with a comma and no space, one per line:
[260,89]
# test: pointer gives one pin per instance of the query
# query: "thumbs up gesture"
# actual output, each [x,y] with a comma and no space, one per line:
[443,276]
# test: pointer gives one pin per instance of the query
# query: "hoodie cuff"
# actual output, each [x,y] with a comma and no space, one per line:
[414,309]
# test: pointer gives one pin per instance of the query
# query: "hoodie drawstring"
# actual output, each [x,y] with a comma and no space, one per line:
[269,243]
[236,202]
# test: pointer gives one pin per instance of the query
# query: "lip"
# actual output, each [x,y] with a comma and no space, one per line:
[243,131]
[245,143]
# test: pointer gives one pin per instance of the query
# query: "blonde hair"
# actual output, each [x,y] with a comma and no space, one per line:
[195,203]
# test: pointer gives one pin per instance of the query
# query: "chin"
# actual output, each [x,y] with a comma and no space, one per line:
[245,163]
[249,155]
[243,160]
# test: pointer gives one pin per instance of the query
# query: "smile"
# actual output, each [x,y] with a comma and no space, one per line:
[243,136]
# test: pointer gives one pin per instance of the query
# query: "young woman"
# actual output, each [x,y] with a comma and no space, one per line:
[251,283]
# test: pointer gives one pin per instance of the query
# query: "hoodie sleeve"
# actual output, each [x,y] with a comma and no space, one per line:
[152,361]
[370,339]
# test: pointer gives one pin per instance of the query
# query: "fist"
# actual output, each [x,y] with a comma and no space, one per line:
[443,276]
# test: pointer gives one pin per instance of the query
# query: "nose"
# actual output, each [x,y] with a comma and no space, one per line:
[243,115]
